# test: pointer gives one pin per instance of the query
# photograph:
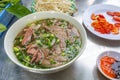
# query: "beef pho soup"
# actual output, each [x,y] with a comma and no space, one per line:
[47,43]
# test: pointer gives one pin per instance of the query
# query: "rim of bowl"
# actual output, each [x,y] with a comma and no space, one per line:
[49,69]
[102,55]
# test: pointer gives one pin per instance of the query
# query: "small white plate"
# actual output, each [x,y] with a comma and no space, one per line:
[113,54]
[100,9]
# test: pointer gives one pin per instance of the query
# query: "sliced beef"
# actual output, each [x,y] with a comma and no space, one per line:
[39,56]
[46,51]
[70,36]
[46,62]
[31,49]
[75,32]
[34,57]
[71,33]
[63,45]
[59,33]
[70,26]
[56,50]
[36,53]
[27,36]
[60,58]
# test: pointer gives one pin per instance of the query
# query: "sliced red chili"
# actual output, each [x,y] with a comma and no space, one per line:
[101,25]
[105,64]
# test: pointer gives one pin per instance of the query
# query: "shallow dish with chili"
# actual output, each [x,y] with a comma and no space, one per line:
[109,64]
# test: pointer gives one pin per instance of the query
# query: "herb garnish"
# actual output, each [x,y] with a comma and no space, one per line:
[2,28]
[16,9]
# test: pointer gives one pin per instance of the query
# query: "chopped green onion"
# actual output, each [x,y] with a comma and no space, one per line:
[18,53]
[20,57]
[53,42]
[52,35]
[34,66]
[43,30]
[39,43]
[52,61]
[27,58]
[57,41]
[45,35]
[63,53]
[23,62]
[26,64]
[49,22]
[67,42]
[16,49]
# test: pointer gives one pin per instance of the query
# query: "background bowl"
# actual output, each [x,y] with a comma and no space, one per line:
[21,23]
[113,54]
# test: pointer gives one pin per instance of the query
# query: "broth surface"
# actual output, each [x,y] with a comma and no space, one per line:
[47,43]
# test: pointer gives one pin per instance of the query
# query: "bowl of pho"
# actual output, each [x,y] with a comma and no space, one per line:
[45,42]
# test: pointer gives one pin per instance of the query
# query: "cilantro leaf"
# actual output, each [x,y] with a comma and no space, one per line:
[18,10]
[2,28]
[13,2]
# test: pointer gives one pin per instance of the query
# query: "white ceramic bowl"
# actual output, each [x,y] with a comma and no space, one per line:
[21,23]
[113,54]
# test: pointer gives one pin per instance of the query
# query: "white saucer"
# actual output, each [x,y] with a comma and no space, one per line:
[100,9]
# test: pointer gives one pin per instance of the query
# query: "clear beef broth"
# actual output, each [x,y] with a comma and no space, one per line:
[47,43]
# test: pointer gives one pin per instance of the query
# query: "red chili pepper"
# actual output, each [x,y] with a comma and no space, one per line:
[117,25]
[115,30]
[117,14]
[105,64]
[110,13]
[101,16]
[93,17]
[113,13]
[101,25]
[116,18]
